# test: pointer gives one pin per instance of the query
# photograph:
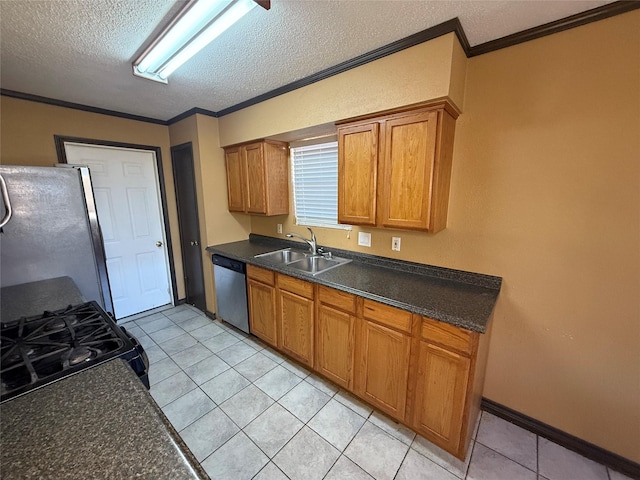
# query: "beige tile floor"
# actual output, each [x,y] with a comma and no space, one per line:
[247,412]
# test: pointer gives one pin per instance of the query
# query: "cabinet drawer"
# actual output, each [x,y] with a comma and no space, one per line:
[295,285]
[386,315]
[447,335]
[260,274]
[338,299]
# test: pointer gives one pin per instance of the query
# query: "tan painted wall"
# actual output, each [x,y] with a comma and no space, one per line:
[217,225]
[546,193]
[419,73]
[26,138]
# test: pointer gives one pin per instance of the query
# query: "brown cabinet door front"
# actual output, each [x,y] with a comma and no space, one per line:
[407,171]
[384,368]
[235,181]
[262,311]
[255,179]
[335,345]
[357,174]
[441,391]
[296,327]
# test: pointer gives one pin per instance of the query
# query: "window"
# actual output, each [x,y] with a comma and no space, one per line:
[314,170]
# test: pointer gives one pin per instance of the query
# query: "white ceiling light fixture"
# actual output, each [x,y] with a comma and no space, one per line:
[194,27]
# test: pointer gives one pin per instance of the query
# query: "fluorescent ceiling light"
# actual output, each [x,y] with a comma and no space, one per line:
[195,26]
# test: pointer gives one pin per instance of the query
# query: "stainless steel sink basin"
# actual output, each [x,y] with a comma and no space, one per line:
[317,264]
[301,261]
[282,257]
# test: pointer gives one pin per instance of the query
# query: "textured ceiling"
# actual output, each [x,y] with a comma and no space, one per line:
[81,50]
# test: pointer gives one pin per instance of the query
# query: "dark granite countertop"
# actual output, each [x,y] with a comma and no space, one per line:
[99,423]
[460,298]
[33,298]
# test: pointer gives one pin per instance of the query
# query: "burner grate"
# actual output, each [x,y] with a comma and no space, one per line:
[37,350]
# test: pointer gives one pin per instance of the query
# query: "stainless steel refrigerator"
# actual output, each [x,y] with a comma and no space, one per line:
[50,230]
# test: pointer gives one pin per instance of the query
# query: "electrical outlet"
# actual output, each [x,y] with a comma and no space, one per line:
[395,244]
[279,228]
[364,239]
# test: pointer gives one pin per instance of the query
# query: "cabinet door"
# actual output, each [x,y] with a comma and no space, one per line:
[441,390]
[262,311]
[296,326]
[384,367]
[255,179]
[335,341]
[407,171]
[357,174]
[235,179]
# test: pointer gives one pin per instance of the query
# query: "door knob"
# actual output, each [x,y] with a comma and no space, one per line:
[158,244]
[194,243]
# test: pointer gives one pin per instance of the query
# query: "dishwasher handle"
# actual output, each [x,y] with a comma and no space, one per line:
[7,203]
[229,263]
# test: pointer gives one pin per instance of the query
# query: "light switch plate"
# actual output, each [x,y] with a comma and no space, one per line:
[364,239]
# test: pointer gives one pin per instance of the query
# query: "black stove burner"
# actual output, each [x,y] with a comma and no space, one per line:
[61,322]
[44,348]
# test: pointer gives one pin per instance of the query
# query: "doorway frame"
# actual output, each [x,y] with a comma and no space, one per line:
[60,141]
[188,146]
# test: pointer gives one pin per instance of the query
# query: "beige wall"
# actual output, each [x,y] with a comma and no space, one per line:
[545,193]
[419,73]
[26,138]
[217,225]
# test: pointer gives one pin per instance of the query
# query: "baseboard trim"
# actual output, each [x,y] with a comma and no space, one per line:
[584,448]
[211,315]
[181,301]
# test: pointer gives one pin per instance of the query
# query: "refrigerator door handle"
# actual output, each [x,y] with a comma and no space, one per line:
[7,202]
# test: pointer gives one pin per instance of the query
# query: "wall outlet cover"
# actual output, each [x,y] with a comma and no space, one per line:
[279,228]
[395,243]
[364,239]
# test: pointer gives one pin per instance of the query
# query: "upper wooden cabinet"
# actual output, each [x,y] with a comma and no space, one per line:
[258,178]
[394,167]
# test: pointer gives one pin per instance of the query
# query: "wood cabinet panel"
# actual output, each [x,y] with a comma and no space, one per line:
[383,367]
[295,285]
[343,300]
[262,311]
[255,179]
[261,274]
[407,171]
[441,393]
[296,326]
[448,335]
[235,180]
[386,315]
[335,341]
[357,174]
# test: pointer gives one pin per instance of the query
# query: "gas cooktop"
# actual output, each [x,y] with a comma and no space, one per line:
[38,350]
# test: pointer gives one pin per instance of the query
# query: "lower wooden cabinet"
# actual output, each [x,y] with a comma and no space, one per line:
[383,367]
[423,373]
[295,318]
[335,336]
[261,294]
[441,392]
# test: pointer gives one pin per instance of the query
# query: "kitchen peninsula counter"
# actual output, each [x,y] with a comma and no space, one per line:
[100,422]
[457,297]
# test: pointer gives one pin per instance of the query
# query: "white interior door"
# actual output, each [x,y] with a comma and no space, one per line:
[126,190]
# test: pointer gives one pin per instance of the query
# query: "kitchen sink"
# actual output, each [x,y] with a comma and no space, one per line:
[282,257]
[317,264]
[301,261]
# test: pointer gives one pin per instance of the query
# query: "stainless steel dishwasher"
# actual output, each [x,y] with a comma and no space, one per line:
[231,291]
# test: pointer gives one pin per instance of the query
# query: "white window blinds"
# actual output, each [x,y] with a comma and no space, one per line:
[315,184]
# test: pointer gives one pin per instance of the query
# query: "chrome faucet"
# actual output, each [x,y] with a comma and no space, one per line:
[313,245]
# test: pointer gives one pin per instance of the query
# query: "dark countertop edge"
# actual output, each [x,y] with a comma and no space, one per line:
[269,243]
